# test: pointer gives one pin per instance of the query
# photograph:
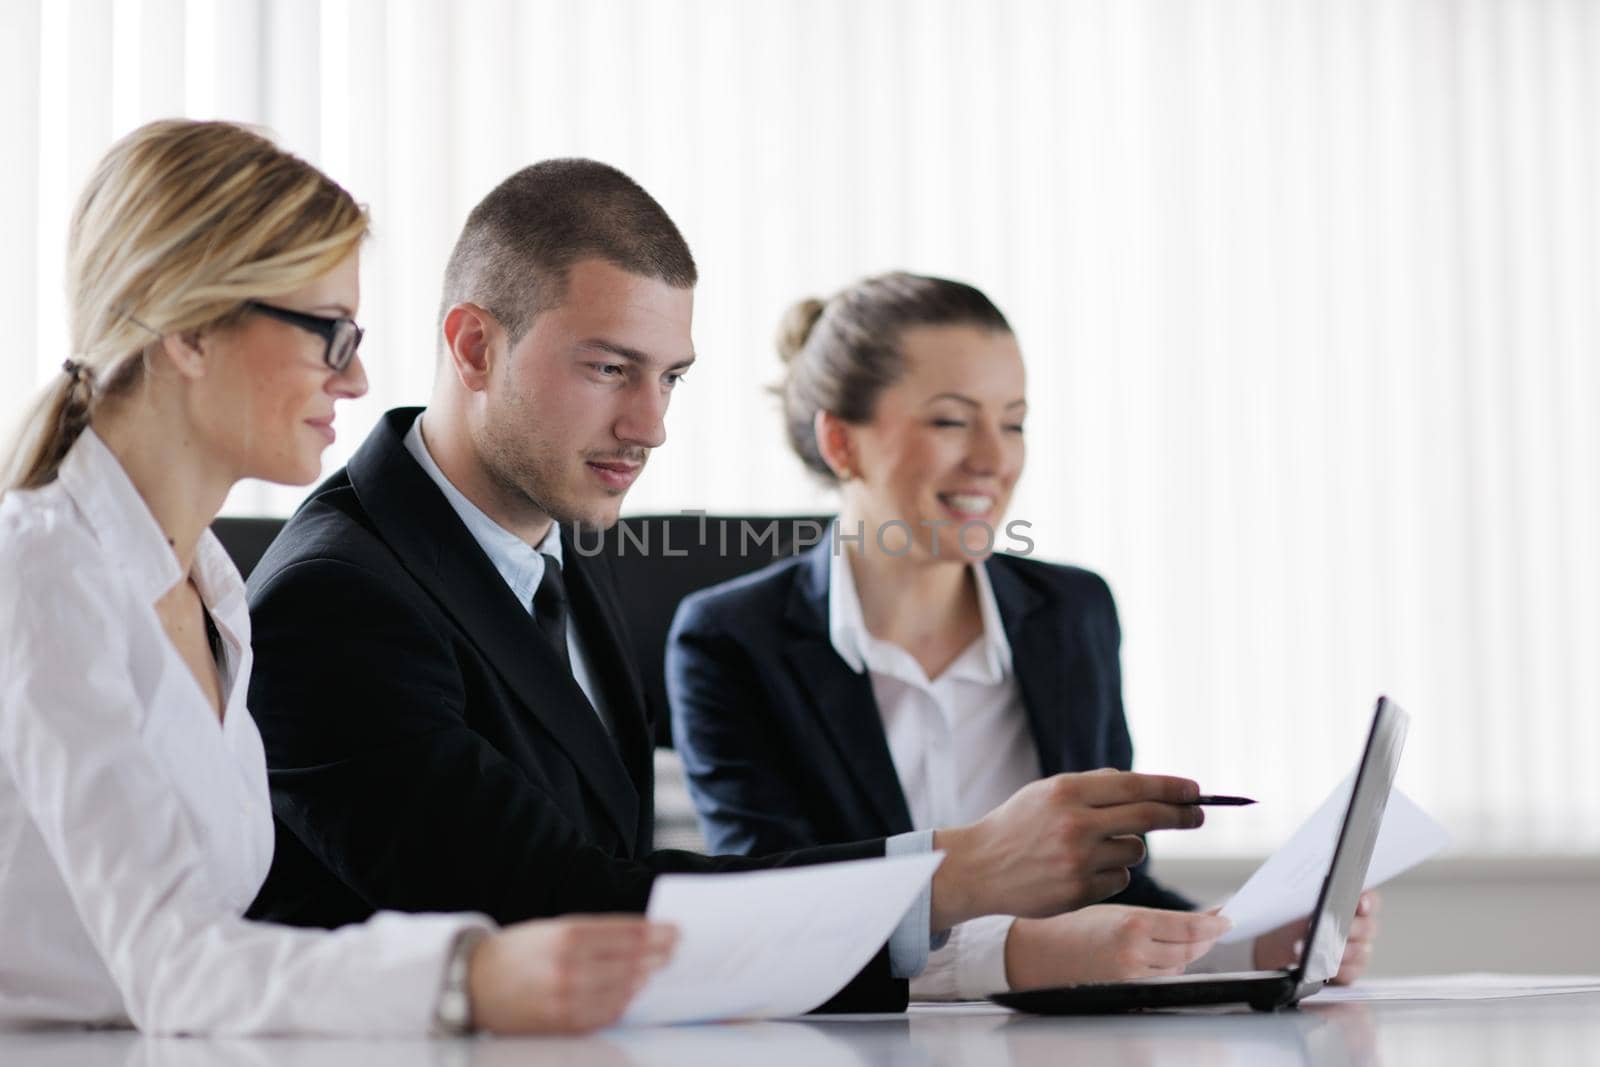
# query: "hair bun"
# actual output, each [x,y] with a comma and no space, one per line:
[796,327]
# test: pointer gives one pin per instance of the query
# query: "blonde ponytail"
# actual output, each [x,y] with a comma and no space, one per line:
[179,225]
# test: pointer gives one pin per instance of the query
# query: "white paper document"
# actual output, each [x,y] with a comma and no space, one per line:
[1457,987]
[1285,887]
[759,944]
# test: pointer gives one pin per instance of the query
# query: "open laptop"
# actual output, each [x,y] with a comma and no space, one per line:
[1325,938]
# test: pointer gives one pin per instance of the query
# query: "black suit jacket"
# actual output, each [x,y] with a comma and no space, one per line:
[782,741]
[427,750]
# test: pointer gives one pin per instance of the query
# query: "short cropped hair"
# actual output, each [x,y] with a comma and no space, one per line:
[519,243]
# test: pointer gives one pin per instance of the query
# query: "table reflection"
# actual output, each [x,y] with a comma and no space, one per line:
[1555,1030]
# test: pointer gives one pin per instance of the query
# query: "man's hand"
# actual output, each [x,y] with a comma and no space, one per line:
[1107,943]
[1282,947]
[1058,843]
[563,976]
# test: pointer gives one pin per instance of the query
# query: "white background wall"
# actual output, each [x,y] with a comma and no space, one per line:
[1308,293]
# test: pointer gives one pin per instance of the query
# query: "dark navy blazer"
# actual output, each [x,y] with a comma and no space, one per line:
[782,741]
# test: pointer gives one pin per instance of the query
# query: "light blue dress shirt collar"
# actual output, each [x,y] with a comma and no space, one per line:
[520,564]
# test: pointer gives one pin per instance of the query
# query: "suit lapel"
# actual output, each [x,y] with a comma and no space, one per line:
[842,699]
[1042,651]
[417,522]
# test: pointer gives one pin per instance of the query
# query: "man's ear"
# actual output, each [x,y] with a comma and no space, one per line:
[470,336]
[837,444]
[184,352]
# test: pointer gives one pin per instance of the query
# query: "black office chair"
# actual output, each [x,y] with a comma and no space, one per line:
[246,539]
[658,560]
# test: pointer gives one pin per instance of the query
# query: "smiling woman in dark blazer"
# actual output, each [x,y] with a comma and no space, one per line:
[901,674]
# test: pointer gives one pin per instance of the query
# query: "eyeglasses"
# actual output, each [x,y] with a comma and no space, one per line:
[342,335]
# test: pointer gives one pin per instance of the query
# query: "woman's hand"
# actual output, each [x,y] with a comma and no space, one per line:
[1107,943]
[1282,947]
[563,976]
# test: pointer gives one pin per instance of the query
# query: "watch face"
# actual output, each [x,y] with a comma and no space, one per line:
[454,1010]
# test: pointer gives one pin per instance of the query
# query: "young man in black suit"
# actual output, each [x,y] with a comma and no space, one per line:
[451,715]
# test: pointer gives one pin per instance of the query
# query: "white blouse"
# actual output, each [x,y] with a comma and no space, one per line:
[134,827]
[961,745]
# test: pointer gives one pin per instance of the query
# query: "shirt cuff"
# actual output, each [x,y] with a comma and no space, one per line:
[911,941]
[981,957]
[971,966]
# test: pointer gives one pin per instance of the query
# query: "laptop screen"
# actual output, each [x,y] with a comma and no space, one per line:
[1336,905]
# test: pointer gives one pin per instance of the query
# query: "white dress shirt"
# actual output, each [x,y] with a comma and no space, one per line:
[520,564]
[961,745]
[134,827]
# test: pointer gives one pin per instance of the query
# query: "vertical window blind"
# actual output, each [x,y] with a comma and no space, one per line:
[1308,294]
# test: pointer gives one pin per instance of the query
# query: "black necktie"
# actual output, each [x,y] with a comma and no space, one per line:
[550,608]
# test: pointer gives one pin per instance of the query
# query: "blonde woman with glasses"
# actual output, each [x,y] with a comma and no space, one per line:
[213,289]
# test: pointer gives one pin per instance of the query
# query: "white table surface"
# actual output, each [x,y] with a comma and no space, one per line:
[1525,1032]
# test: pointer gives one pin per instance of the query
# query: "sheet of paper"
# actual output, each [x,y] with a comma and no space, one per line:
[760,944]
[1285,887]
[1458,987]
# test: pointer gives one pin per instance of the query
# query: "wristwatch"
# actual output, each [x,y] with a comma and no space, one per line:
[452,1012]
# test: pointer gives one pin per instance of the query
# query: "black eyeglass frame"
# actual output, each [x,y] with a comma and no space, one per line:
[332,329]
